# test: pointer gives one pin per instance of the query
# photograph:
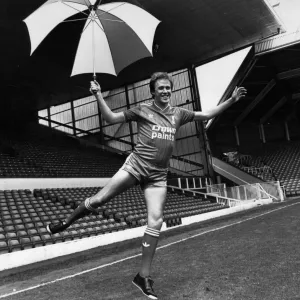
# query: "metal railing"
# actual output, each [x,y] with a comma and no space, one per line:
[214,198]
[266,190]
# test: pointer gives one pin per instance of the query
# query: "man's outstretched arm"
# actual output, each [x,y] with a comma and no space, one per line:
[238,93]
[108,115]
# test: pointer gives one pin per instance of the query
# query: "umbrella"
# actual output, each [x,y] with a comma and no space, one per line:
[114,35]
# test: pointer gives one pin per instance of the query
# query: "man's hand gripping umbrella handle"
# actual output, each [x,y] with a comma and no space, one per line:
[95,86]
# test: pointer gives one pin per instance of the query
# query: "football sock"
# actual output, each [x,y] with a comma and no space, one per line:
[149,244]
[82,210]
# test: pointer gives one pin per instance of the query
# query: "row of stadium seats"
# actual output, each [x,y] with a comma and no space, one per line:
[46,153]
[43,153]
[24,215]
[285,162]
[253,166]
[283,159]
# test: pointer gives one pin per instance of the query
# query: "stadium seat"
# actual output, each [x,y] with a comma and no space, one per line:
[58,238]
[47,239]
[37,241]
[25,243]
[22,233]
[3,247]
[67,236]
[14,245]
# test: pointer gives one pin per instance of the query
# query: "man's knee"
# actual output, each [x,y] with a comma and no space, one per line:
[97,200]
[155,222]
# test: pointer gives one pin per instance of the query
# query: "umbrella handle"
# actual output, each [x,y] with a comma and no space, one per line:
[94,79]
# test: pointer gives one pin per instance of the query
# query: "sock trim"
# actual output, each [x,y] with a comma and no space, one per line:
[88,205]
[152,232]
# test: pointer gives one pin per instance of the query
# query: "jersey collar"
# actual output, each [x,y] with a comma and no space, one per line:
[162,110]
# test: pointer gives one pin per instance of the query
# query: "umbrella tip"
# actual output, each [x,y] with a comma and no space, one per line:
[95,5]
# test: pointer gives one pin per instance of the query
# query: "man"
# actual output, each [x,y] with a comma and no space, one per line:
[158,123]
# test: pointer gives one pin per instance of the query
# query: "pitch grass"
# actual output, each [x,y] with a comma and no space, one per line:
[255,259]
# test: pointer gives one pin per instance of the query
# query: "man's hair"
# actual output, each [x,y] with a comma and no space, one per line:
[159,75]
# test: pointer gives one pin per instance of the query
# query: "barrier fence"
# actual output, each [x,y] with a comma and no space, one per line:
[249,192]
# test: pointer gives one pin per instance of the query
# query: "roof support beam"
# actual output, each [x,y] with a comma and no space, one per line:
[288,74]
[258,82]
[295,97]
[292,49]
[256,101]
[270,112]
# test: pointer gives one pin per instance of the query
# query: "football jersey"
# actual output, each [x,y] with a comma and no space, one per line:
[157,130]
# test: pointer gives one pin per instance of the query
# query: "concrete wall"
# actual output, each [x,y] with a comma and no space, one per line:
[38,183]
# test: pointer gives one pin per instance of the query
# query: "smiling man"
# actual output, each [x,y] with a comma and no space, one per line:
[147,165]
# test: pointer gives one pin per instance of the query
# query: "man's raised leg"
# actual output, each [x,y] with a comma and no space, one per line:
[120,182]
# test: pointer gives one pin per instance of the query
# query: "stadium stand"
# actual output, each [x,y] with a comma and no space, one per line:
[280,161]
[24,215]
[44,154]
[254,165]
[285,162]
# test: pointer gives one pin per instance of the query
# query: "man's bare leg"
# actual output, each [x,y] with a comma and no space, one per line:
[119,183]
[155,200]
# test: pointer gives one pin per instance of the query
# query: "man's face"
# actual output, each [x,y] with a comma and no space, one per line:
[162,91]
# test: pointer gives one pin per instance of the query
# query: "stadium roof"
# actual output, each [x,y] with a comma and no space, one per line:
[271,75]
[191,32]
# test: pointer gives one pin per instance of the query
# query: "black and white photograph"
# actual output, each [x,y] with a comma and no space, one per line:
[150,149]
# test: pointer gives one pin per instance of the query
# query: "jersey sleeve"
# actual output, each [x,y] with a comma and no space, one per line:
[186,116]
[132,114]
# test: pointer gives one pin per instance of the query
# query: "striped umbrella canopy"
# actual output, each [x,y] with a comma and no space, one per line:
[114,35]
